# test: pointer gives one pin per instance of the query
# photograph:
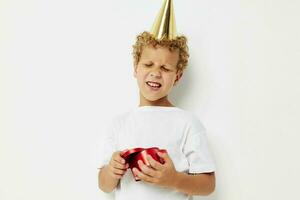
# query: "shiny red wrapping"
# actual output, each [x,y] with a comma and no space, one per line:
[132,157]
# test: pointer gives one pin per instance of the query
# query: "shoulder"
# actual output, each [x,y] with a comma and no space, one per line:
[193,120]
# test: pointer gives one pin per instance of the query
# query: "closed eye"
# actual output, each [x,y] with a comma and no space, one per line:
[166,69]
[148,64]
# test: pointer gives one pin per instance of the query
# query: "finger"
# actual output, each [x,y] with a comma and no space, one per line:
[117,157]
[156,165]
[143,176]
[115,176]
[165,156]
[118,171]
[147,170]
[118,165]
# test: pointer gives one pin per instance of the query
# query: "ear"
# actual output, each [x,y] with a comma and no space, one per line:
[178,76]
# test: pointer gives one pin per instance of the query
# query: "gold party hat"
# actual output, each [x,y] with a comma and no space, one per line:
[164,25]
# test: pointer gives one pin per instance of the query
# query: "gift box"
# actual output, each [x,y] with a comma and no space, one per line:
[132,157]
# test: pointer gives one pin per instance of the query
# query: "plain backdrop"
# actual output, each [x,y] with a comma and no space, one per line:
[66,70]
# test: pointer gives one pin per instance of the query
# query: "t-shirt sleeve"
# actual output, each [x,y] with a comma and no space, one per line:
[106,145]
[196,149]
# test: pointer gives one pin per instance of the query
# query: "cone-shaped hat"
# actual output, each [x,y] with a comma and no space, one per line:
[164,25]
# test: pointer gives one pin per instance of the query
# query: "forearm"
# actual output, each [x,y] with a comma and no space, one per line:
[200,184]
[106,182]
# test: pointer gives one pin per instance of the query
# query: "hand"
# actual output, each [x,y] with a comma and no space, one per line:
[157,173]
[117,166]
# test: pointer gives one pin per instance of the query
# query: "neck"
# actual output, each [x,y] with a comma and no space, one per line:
[159,102]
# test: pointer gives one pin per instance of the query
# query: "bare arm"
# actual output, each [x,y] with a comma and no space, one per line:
[167,176]
[105,182]
[109,176]
[198,184]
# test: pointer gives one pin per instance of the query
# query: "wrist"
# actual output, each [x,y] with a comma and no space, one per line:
[110,174]
[176,180]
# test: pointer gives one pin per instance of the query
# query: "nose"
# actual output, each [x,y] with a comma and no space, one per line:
[155,73]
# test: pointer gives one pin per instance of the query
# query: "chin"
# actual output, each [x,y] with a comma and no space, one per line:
[152,98]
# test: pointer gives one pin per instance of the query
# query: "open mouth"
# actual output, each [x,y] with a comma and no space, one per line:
[154,85]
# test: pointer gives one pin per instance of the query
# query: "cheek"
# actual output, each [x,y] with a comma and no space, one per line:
[141,76]
[169,80]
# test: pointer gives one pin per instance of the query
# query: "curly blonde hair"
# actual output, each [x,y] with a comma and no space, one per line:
[145,39]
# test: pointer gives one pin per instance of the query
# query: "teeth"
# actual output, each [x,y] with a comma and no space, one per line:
[153,84]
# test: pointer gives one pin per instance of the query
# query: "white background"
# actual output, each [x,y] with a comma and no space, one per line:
[66,70]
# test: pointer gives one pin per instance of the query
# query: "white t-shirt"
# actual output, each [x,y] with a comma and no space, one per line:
[171,128]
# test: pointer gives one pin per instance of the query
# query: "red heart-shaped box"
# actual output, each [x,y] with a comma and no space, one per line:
[132,157]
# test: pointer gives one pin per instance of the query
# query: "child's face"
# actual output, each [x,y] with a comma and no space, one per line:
[156,72]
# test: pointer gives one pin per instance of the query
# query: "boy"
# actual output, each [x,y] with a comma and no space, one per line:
[160,58]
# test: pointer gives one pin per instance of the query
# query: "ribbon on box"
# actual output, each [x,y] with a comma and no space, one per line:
[132,157]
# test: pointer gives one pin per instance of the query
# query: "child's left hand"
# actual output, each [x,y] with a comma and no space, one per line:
[157,173]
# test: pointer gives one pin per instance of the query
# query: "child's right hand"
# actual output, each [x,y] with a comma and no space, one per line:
[117,166]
